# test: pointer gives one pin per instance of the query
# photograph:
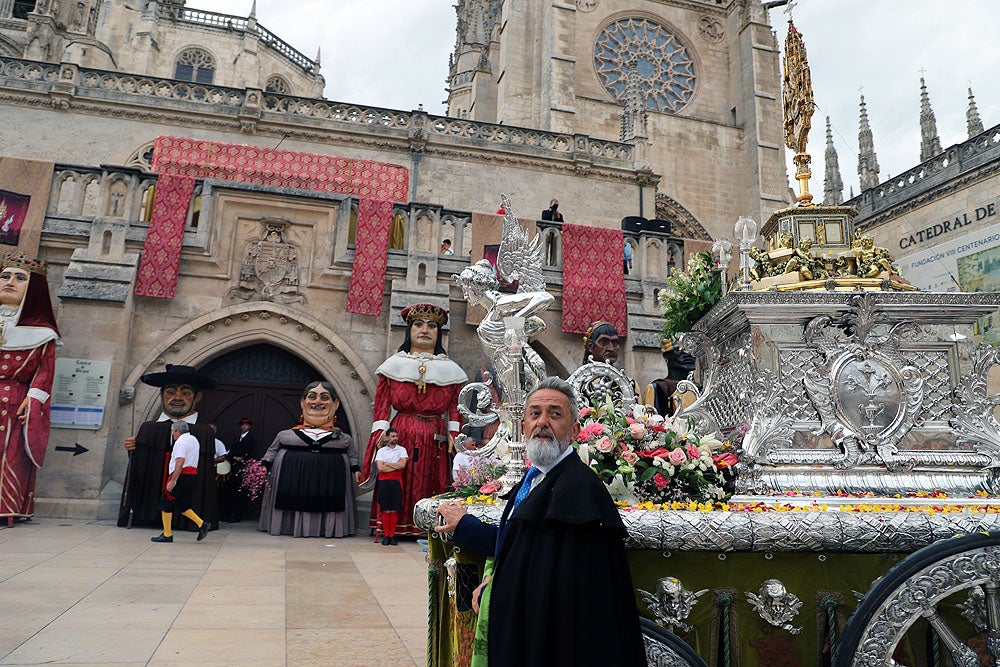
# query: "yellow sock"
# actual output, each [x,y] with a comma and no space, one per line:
[189,513]
[167,518]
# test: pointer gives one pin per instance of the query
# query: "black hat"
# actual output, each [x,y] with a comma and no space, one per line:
[177,374]
[246,420]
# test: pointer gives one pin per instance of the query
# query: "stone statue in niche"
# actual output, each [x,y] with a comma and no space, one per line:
[270,268]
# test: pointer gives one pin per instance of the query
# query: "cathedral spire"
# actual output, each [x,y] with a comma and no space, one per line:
[833,184]
[253,10]
[867,161]
[972,119]
[930,143]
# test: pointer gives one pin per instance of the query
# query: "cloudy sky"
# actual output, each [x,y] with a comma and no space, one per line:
[394,54]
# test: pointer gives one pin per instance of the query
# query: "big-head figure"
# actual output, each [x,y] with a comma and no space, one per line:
[181,389]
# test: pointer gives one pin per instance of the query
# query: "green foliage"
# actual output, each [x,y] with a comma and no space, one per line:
[688,296]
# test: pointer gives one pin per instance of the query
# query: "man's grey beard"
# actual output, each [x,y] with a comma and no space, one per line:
[544,452]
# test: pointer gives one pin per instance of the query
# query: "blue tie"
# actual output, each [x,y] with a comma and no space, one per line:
[522,493]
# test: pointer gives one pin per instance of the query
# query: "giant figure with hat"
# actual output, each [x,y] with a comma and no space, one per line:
[421,384]
[28,335]
[181,388]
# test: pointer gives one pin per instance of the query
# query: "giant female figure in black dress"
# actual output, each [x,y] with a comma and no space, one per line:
[314,467]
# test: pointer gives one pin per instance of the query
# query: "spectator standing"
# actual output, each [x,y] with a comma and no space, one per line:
[446,247]
[552,212]
[627,265]
[390,461]
[180,486]
[559,568]
[240,453]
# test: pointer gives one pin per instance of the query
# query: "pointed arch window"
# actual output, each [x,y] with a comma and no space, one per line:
[195,65]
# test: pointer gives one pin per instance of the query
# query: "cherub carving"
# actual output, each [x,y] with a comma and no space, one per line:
[871,259]
[672,603]
[776,605]
[808,267]
[761,267]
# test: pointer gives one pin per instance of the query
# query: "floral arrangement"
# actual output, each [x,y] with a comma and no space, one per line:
[480,477]
[656,459]
[253,479]
[690,295]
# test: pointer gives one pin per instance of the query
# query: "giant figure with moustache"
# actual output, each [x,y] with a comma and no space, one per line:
[181,389]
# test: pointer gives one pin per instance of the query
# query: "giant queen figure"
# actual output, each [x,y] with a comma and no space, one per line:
[421,384]
[28,335]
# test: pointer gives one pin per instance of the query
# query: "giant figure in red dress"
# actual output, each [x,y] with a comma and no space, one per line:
[421,384]
[28,336]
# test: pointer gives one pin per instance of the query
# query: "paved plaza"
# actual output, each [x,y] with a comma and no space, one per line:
[76,592]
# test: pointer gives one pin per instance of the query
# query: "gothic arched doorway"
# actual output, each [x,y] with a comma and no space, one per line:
[262,382]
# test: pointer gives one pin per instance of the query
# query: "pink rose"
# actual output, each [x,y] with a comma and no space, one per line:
[590,431]
[637,430]
[677,456]
[692,451]
[661,480]
[490,487]
[605,444]
[586,412]
[630,456]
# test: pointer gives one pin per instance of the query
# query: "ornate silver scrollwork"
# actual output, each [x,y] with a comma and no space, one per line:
[776,605]
[918,596]
[973,407]
[672,603]
[707,352]
[770,427]
[599,381]
[451,569]
[866,394]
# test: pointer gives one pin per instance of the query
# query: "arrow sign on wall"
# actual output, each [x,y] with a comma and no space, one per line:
[77,448]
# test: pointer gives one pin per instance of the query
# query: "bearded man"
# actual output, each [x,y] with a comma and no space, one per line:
[149,450]
[559,570]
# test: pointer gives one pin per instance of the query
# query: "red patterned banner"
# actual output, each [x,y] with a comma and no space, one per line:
[161,253]
[593,277]
[370,254]
[364,179]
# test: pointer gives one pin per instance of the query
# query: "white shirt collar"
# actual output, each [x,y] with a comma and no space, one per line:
[190,419]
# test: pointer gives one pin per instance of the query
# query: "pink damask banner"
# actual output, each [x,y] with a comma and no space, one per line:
[370,255]
[364,179]
[593,277]
[161,253]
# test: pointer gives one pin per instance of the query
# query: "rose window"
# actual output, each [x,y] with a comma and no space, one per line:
[664,70]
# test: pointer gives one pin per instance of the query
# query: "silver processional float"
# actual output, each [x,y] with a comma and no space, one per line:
[867,526]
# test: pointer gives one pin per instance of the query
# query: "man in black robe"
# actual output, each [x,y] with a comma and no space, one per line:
[561,592]
[230,495]
[181,388]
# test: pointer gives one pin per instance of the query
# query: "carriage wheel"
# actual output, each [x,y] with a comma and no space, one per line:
[916,589]
[665,649]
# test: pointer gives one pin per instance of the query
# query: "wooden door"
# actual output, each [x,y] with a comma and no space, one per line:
[261,382]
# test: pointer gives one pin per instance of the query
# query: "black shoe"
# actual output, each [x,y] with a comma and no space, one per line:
[203,531]
[385,541]
[393,541]
[161,538]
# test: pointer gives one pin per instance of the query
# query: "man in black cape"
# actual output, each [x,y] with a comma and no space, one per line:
[181,388]
[240,453]
[561,593]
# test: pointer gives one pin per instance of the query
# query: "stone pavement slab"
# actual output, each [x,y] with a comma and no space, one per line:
[77,593]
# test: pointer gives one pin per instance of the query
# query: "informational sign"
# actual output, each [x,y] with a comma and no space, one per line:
[969,263]
[80,393]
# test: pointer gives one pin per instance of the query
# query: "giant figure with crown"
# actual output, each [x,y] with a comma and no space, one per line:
[421,385]
[28,335]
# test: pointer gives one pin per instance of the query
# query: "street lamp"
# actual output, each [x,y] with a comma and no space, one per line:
[746,233]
